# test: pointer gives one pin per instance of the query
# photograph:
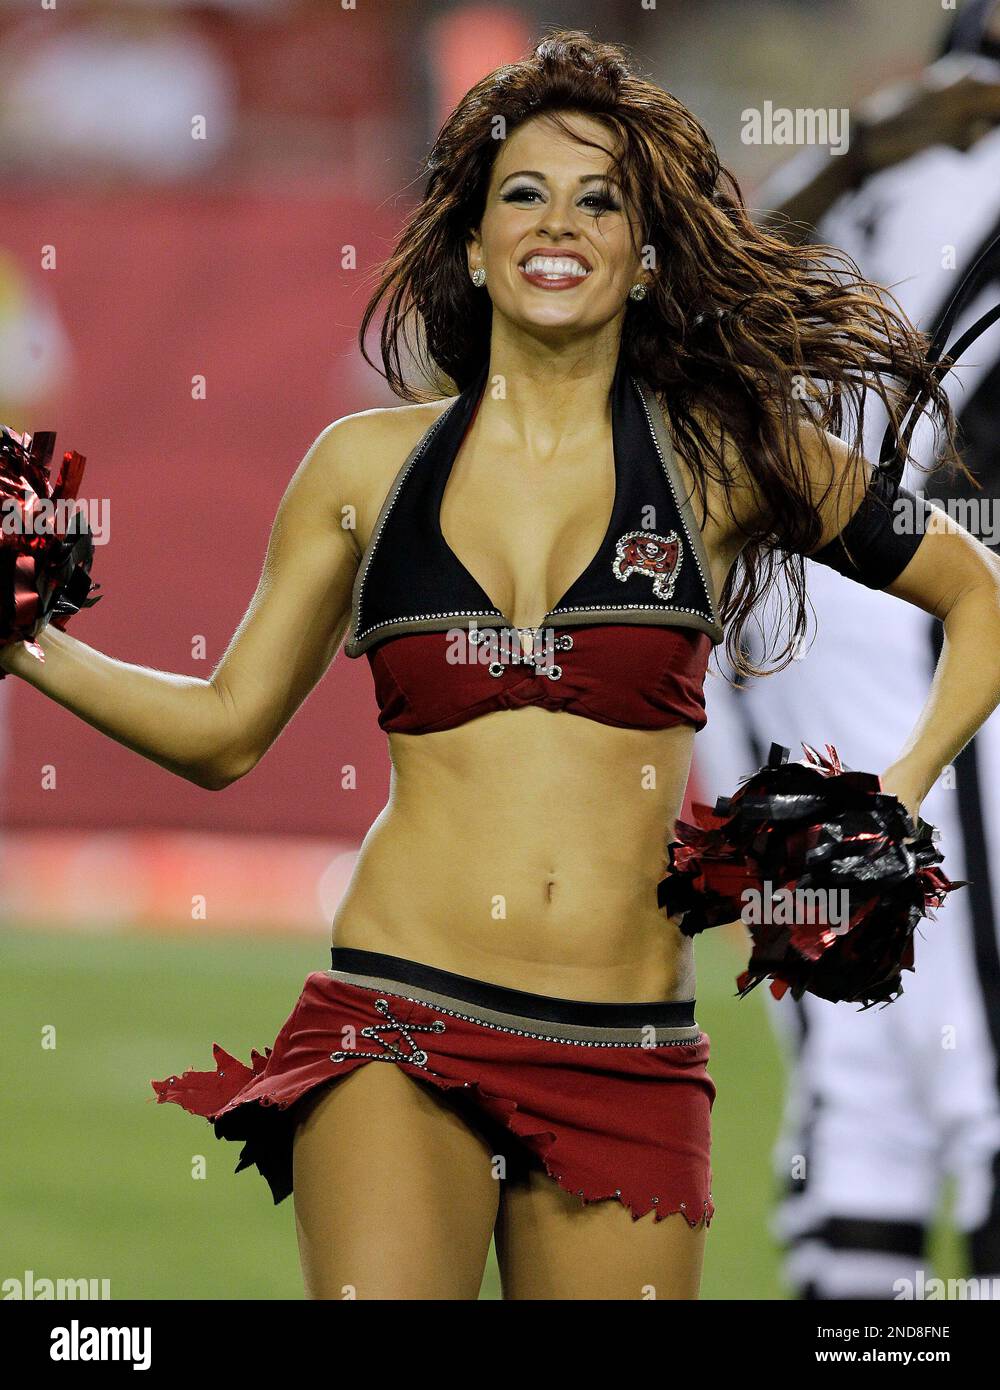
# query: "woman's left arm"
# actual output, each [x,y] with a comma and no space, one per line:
[936,565]
[957,579]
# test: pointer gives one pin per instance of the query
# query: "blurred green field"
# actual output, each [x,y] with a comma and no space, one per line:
[97,1176]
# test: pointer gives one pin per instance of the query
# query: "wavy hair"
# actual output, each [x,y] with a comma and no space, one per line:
[742,334]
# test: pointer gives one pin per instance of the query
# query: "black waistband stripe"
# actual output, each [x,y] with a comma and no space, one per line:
[499,1000]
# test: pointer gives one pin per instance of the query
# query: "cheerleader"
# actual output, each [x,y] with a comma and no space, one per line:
[626,438]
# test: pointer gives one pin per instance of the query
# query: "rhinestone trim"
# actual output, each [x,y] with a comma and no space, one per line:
[650,607]
[712,614]
[428,617]
[701,624]
[521,1032]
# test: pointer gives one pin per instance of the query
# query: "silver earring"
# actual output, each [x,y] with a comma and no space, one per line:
[638,291]
[479,277]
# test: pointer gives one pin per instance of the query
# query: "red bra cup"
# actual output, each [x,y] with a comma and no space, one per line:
[632,676]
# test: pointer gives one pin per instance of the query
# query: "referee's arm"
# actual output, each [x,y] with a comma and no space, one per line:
[954,101]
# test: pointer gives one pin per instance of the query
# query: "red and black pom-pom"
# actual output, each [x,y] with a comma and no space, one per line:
[46,547]
[830,874]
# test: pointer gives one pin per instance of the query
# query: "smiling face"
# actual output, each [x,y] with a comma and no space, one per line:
[556,241]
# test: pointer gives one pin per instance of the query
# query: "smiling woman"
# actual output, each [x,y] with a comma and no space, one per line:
[614,459]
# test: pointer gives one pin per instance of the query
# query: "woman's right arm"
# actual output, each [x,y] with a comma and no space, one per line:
[213,731]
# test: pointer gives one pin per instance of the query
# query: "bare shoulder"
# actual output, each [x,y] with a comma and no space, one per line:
[360,455]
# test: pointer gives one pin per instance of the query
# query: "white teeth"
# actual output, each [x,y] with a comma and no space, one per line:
[555,266]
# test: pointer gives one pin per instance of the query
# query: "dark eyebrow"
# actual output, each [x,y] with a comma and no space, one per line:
[534,174]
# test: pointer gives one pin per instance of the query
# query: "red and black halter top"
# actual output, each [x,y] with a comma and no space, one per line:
[626,645]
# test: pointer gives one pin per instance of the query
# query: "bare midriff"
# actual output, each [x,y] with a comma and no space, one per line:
[524,848]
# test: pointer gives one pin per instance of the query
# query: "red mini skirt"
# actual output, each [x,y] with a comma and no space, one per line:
[613,1101]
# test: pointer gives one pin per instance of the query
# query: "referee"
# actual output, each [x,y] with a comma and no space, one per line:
[886,1106]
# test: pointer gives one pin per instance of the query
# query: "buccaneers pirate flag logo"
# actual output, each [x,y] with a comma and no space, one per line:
[657,557]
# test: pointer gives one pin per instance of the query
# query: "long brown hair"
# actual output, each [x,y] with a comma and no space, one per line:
[739,327]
